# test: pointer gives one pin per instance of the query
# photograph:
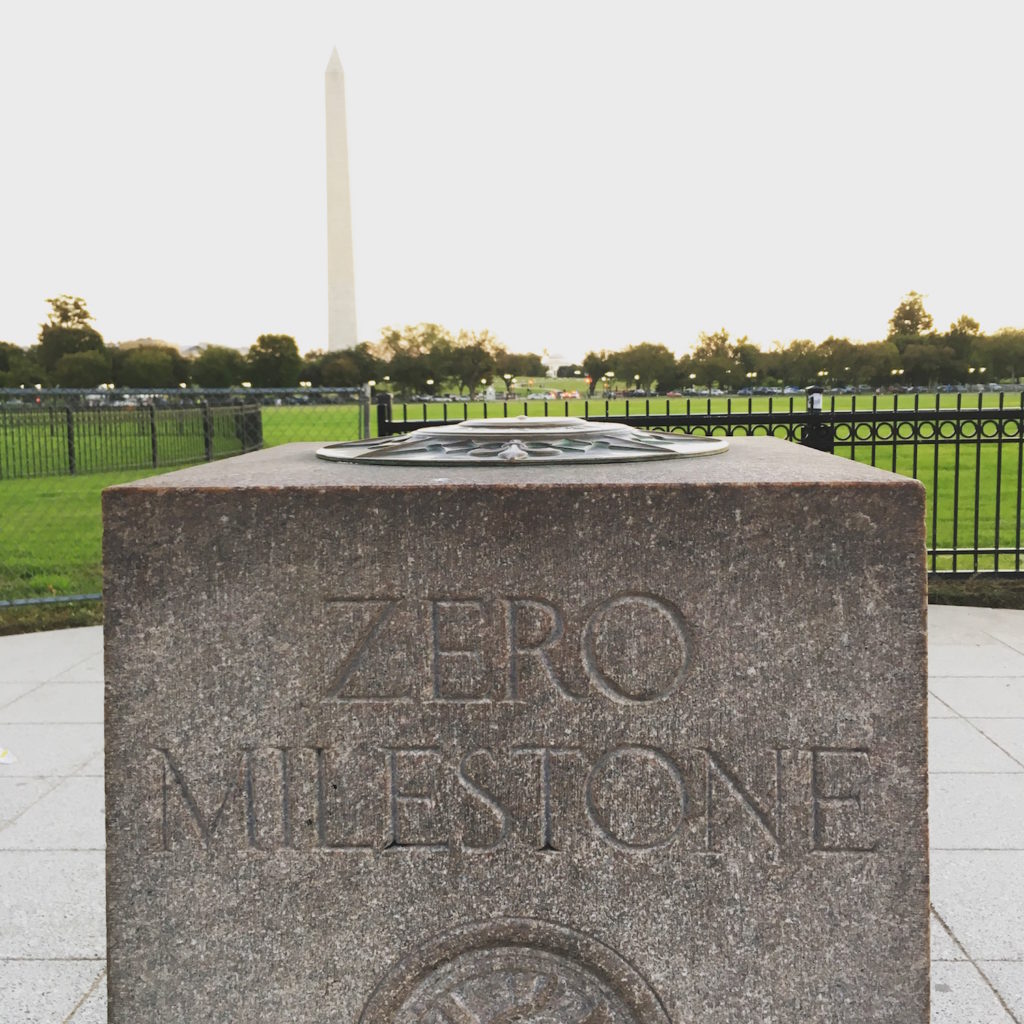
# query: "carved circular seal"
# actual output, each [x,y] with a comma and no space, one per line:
[513,971]
[522,440]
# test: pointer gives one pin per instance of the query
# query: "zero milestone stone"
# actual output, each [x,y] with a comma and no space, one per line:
[621,744]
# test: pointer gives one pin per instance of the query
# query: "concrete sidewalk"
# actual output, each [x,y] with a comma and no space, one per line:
[52,933]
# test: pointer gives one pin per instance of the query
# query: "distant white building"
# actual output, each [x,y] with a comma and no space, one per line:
[144,342]
[553,361]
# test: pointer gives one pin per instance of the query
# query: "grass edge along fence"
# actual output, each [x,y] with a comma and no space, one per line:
[60,448]
[58,431]
[967,450]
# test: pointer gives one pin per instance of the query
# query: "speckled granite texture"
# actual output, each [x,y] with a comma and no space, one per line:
[617,745]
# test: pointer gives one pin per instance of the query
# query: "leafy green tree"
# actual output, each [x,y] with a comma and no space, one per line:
[274,362]
[146,367]
[473,360]
[910,319]
[413,355]
[928,361]
[18,367]
[218,366]
[83,369]
[874,362]
[715,360]
[1002,353]
[521,364]
[66,331]
[965,325]
[341,370]
[569,371]
[646,365]
[836,356]
[596,365]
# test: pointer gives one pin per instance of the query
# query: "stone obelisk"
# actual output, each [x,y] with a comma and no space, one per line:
[341,281]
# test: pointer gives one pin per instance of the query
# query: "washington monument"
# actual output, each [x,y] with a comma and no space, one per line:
[341,280]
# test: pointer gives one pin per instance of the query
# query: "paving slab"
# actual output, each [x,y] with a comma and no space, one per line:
[10,692]
[960,995]
[53,904]
[977,812]
[94,1008]
[46,751]
[974,697]
[17,794]
[39,657]
[956,746]
[41,991]
[1008,733]
[69,817]
[88,671]
[58,702]
[978,894]
[942,946]
[1008,979]
[938,709]
[964,659]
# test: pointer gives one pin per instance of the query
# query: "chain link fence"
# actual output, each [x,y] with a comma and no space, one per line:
[60,448]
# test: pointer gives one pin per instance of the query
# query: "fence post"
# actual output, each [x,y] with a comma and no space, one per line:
[207,431]
[72,460]
[383,413]
[817,433]
[152,433]
[365,401]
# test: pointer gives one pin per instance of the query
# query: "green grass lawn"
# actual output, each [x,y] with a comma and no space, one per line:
[50,527]
[50,534]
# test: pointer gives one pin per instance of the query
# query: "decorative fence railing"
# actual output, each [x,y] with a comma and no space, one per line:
[967,450]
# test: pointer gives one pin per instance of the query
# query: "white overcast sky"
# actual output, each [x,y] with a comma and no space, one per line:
[569,175]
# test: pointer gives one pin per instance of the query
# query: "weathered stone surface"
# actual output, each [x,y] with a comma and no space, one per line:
[594,745]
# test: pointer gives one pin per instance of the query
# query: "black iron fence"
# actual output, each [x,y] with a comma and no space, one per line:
[60,448]
[967,450]
[38,441]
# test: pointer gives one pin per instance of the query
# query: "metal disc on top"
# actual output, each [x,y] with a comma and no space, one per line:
[523,440]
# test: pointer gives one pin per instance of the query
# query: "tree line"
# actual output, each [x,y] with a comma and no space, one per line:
[429,359]
[71,353]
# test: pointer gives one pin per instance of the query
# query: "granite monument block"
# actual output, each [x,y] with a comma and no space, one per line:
[612,744]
